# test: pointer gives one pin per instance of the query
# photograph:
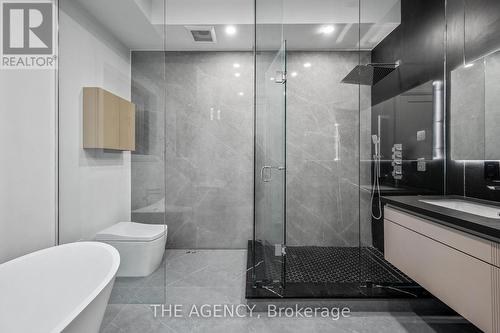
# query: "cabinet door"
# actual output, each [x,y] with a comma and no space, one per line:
[466,284]
[110,119]
[127,125]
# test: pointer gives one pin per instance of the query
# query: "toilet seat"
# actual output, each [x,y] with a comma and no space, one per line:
[132,232]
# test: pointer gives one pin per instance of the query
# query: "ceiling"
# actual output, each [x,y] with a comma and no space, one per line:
[139,24]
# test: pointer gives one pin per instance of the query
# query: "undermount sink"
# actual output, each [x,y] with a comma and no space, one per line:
[470,207]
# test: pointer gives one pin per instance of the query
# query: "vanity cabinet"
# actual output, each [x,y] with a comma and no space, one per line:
[460,269]
[108,120]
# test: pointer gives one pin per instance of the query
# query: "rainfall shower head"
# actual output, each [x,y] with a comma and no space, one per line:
[370,74]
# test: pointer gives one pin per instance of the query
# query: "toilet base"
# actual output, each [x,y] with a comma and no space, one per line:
[139,258]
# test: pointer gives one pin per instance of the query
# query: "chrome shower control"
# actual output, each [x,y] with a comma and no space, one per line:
[397,147]
[397,161]
[280,77]
[397,154]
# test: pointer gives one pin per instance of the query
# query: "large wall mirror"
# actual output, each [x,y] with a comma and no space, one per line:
[475,109]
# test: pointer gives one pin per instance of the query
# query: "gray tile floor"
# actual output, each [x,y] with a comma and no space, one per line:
[217,277]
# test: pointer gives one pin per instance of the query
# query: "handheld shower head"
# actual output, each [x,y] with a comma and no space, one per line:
[376,177]
[376,143]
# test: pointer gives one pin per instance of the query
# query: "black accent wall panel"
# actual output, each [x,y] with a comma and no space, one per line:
[420,43]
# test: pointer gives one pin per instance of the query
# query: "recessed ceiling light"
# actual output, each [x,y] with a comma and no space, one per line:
[294,74]
[307,65]
[237,74]
[327,29]
[230,29]
[241,93]
[272,79]
[468,65]
[236,65]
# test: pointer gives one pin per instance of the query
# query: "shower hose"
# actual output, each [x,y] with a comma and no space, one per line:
[376,187]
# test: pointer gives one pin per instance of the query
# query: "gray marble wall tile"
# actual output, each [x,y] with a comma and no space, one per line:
[324,159]
[208,115]
[207,125]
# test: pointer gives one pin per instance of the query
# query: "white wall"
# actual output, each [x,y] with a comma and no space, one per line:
[27,161]
[95,190]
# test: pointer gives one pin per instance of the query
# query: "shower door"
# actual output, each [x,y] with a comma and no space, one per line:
[270,167]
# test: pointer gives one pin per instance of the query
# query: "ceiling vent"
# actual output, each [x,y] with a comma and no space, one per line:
[202,34]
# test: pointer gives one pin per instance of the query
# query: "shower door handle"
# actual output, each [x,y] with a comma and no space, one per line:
[262,171]
[270,168]
[280,77]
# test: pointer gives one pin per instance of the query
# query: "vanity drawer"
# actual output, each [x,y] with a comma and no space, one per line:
[468,285]
[472,245]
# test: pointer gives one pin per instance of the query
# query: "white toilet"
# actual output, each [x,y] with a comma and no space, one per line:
[141,246]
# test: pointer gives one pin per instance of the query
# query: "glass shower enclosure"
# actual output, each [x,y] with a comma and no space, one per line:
[101,184]
[314,154]
[270,169]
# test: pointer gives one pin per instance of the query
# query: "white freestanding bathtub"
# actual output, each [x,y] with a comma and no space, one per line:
[60,289]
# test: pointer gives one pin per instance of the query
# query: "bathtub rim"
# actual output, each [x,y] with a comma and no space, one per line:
[115,256]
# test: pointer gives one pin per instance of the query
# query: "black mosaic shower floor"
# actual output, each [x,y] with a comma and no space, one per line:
[311,264]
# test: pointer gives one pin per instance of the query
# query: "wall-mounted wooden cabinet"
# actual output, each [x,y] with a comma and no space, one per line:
[108,120]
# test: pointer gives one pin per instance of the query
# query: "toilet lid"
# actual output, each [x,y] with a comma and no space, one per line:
[131,231]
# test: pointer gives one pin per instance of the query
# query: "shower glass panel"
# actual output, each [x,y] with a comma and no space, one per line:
[320,221]
[271,168]
[332,124]
[401,126]
[106,183]
[267,249]
[209,125]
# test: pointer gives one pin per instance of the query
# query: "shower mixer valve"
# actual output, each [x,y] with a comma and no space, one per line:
[397,161]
